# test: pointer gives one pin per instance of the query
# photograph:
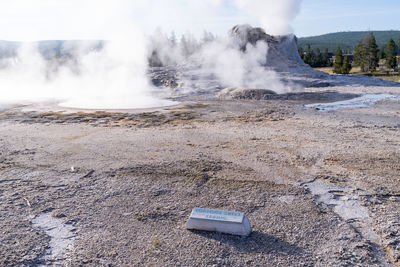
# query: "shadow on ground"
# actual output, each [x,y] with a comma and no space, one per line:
[261,94]
[257,242]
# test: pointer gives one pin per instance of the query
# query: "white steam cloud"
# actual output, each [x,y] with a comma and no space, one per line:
[115,76]
[236,68]
[112,78]
[275,16]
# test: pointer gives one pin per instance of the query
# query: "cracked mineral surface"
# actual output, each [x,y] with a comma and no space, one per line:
[106,188]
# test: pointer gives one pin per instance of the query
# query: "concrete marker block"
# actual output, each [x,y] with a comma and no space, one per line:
[228,222]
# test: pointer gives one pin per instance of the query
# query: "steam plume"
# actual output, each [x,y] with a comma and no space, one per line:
[274,16]
[115,76]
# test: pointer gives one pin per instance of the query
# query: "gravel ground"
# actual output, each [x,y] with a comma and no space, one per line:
[123,184]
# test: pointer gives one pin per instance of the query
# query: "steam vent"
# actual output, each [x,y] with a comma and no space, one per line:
[282,50]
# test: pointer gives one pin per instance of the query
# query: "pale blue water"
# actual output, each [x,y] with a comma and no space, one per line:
[364,101]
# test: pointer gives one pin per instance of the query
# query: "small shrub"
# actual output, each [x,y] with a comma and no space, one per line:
[156,243]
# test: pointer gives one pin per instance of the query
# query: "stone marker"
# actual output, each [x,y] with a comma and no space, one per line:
[228,222]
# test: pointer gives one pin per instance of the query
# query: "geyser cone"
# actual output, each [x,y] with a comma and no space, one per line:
[282,49]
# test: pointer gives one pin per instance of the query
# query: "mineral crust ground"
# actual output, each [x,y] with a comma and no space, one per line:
[120,186]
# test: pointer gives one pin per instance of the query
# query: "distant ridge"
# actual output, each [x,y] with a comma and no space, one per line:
[346,40]
[50,48]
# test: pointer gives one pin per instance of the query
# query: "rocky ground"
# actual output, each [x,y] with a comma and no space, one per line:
[115,189]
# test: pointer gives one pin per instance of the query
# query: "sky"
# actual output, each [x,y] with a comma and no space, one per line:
[325,16]
[24,20]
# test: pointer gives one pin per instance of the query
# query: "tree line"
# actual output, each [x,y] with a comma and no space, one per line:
[168,50]
[366,56]
[315,58]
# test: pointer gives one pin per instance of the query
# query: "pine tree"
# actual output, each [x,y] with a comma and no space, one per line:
[207,37]
[184,46]
[301,52]
[308,55]
[371,53]
[188,44]
[359,56]
[390,50]
[346,67]
[398,52]
[325,57]
[382,54]
[398,48]
[317,58]
[337,66]
[172,39]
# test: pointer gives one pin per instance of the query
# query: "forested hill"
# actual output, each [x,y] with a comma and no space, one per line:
[346,40]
